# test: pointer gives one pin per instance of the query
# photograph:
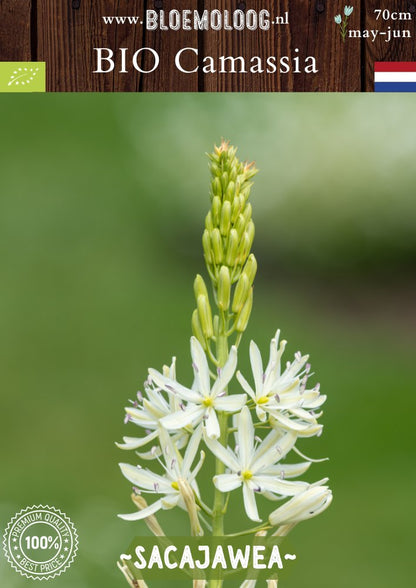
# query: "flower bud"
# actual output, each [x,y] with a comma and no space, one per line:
[200,287]
[224,183]
[305,505]
[241,293]
[216,244]
[206,244]
[243,249]
[208,222]
[236,208]
[246,242]
[250,268]
[230,192]
[215,170]
[151,521]
[216,323]
[216,210]
[205,316]
[225,222]
[240,225]
[216,187]
[233,241]
[247,212]
[244,315]
[197,329]
[224,288]
[188,496]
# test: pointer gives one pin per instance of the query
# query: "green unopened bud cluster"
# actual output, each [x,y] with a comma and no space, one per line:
[227,240]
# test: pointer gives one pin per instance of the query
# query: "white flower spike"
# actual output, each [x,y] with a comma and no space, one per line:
[203,401]
[249,428]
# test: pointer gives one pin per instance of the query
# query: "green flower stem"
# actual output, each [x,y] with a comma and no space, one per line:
[219,506]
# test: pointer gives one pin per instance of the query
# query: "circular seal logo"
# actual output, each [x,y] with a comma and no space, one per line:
[40,542]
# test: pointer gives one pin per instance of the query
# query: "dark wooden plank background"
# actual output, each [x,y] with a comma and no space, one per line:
[63,33]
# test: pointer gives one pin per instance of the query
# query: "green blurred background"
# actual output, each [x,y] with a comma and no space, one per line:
[102,204]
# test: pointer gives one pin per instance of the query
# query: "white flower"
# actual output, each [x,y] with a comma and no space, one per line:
[348,10]
[146,413]
[306,505]
[178,473]
[254,467]
[283,395]
[203,401]
[338,19]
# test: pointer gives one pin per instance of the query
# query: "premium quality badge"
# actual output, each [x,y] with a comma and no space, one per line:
[40,542]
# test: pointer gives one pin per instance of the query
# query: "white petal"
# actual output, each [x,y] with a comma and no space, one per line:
[142,514]
[257,367]
[227,482]
[288,470]
[173,387]
[231,403]
[250,503]
[226,373]
[191,451]
[287,423]
[212,425]
[245,437]
[275,453]
[170,501]
[268,443]
[283,487]
[245,385]
[135,442]
[201,368]
[182,418]
[143,478]
[225,455]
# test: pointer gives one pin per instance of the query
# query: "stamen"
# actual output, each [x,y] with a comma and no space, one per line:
[156,487]
[139,396]
[126,419]
[277,397]
[195,367]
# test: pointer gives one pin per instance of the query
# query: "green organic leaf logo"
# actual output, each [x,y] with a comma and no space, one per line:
[23,76]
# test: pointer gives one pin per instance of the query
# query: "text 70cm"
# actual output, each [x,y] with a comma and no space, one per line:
[386,14]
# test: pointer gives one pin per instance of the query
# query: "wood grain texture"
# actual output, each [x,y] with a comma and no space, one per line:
[65,33]
[15,30]
[68,32]
[311,30]
[398,49]
[167,78]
